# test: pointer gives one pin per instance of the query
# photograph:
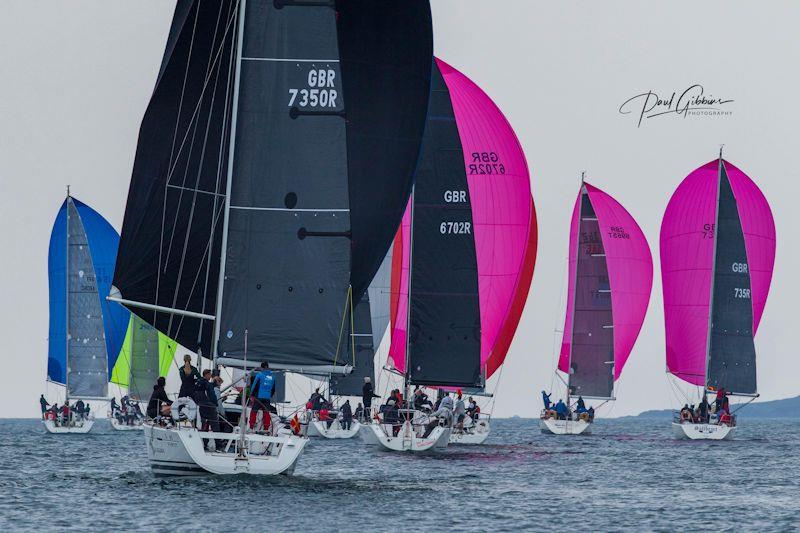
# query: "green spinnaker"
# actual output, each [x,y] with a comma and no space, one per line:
[145,355]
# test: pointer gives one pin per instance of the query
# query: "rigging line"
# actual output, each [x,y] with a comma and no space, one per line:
[194,195]
[341,335]
[193,190]
[169,173]
[183,87]
[193,127]
[220,157]
[352,325]
[202,92]
[341,328]
[207,251]
[186,236]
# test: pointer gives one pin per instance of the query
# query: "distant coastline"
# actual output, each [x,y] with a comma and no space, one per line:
[786,408]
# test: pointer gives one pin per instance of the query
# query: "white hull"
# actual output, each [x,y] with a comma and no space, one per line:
[477,434]
[406,439]
[84,426]
[138,425]
[694,431]
[318,428]
[564,427]
[179,451]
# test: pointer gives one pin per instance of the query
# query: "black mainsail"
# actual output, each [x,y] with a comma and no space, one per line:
[731,348]
[270,173]
[444,339]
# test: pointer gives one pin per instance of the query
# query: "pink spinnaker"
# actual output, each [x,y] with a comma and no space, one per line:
[630,272]
[687,258]
[504,220]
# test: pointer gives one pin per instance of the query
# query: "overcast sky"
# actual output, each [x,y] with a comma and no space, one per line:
[76,77]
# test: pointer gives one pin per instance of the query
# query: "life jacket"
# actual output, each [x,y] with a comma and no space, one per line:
[295,423]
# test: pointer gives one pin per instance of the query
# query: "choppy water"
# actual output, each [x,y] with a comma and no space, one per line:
[629,475]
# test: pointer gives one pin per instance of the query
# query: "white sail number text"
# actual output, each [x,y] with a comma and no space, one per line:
[319,92]
[455,228]
[741,293]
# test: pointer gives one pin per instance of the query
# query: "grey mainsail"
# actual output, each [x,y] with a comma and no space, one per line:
[87,363]
[444,339]
[591,368]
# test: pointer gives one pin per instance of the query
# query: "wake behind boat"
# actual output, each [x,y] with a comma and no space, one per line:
[610,278]
[717,258]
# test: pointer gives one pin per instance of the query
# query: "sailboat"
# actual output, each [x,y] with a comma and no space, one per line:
[463,258]
[86,331]
[717,257]
[274,162]
[361,351]
[610,279]
[146,355]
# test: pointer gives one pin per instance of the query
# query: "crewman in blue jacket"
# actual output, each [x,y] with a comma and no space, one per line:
[261,392]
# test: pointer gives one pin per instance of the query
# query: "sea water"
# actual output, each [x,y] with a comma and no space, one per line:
[628,475]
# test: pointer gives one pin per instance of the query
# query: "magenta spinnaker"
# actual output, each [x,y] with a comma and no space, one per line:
[630,272]
[687,257]
[503,215]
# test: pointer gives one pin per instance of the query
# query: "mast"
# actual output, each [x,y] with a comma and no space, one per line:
[231,151]
[408,315]
[713,273]
[575,281]
[66,302]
